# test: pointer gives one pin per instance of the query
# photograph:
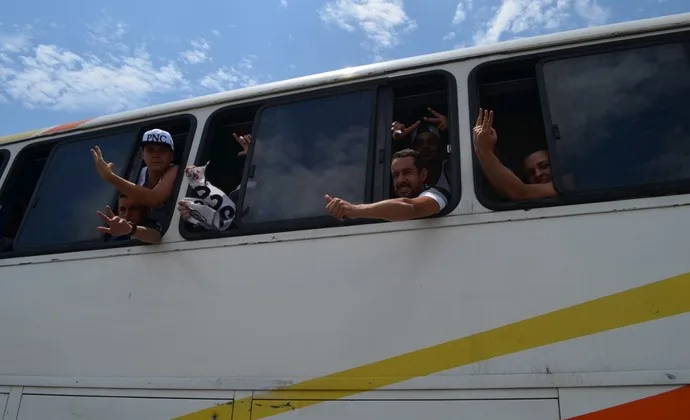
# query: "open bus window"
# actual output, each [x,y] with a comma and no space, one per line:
[414,99]
[306,149]
[223,154]
[621,118]
[511,91]
[63,208]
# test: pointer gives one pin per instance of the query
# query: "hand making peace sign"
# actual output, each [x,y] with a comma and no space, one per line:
[399,131]
[439,120]
[104,169]
[485,136]
[117,226]
[244,141]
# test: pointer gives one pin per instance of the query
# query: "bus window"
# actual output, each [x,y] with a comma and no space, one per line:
[17,190]
[621,117]
[306,149]
[70,191]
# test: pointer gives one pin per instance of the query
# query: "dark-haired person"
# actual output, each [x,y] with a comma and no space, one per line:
[536,165]
[156,180]
[426,139]
[131,222]
[415,198]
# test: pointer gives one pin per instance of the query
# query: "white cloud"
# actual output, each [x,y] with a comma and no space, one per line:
[15,43]
[58,79]
[215,32]
[461,10]
[283,3]
[517,16]
[232,77]
[448,36]
[382,21]
[198,53]
[105,31]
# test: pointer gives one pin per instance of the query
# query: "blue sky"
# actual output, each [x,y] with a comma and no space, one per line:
[61,63]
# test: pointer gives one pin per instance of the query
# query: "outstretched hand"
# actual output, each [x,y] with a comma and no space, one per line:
[104,169]
[484,135]
[339,208]
[117,226]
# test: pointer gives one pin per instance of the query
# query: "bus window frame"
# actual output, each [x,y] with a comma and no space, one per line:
[651,189]
[316,222]
[134,127]
[539,56]
[5,156]
[453,120]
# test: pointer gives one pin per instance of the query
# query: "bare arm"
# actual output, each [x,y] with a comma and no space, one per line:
[146,234]
[500,177]
[117,226]
[150,197]
[507,183]
[395,209]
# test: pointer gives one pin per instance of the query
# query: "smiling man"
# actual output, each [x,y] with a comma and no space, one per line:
[416,199]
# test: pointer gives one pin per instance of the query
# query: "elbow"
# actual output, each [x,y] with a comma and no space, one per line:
[153,202]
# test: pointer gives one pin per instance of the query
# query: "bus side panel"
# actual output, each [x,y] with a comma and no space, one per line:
[277,313]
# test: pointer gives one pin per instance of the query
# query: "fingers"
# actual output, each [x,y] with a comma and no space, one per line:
[436,114]
[485,122]
[411,128]
[480,118]
[491,119]
[103,229]
[328,198]
[103,216]
[110,211]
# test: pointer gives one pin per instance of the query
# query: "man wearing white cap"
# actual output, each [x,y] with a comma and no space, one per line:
[157,178]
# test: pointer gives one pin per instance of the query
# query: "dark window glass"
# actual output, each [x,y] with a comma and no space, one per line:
[3,158]
[70,191]
[307,149]
[623,117]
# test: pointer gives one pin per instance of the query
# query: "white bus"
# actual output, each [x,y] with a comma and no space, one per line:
[575,307]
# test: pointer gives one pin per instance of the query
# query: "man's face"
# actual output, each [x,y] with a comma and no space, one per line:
[538,167]
[427,144]
[157,156]
[130,211]
[407,179]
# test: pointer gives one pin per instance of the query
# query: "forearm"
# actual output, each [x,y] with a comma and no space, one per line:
[137,193]
[148,235]
[500,177]
[395,209]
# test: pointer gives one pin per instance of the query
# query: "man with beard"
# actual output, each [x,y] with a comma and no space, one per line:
[416,199]
[536,165]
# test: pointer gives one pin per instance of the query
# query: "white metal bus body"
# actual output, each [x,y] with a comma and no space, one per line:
[575,307]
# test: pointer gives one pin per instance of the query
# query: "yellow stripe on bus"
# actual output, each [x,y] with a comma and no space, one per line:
[653,301]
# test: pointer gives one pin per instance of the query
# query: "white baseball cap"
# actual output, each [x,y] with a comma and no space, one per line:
[157,136]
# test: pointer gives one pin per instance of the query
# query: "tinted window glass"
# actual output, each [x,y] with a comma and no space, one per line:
[70,192]
[305,150]
[623,117]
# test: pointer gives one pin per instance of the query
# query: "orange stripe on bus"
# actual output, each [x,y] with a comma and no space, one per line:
[67,126]
[670,405]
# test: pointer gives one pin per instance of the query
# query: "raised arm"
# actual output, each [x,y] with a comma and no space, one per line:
[150,197]
[500,177]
